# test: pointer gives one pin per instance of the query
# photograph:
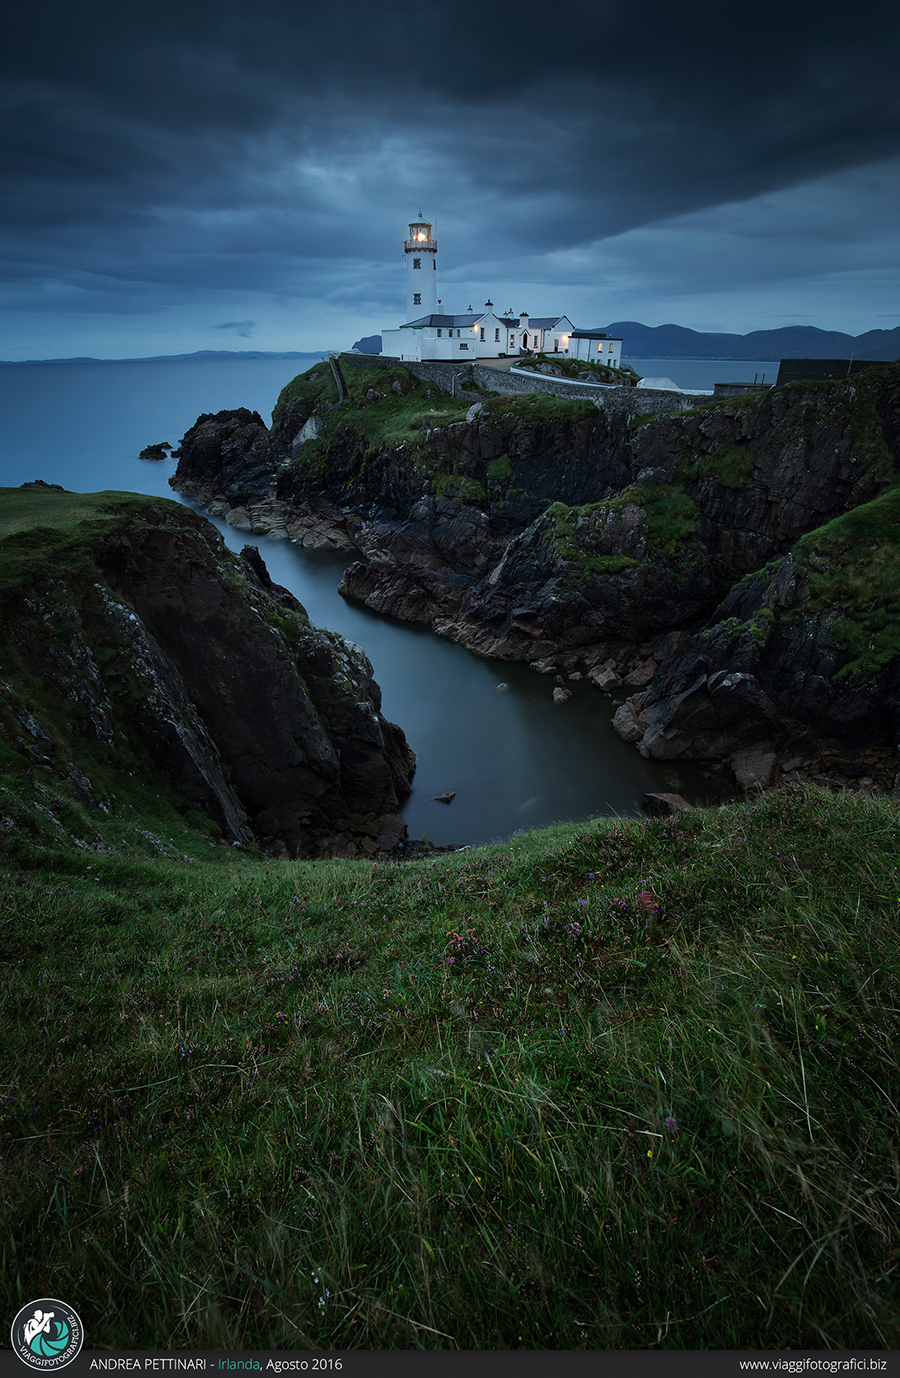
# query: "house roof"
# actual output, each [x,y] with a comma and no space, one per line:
[545,322]
[470,318]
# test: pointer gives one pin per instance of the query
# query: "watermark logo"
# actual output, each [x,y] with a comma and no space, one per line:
[47,1334]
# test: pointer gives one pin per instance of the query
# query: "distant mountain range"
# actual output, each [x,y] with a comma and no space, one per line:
[790,342]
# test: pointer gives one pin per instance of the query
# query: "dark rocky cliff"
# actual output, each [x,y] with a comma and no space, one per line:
[131,626]
[401,471]
[610,544]
[711,495]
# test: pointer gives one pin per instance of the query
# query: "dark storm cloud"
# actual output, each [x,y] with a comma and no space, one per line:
[258,143]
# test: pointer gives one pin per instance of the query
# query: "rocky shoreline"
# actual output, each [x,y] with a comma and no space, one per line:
[705,560]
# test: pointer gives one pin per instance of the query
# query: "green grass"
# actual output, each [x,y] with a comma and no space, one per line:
[617,1085]
[313,387]
[853,563]
[732,468]
[670,524]
[391,421]
[39,527]
[528,407]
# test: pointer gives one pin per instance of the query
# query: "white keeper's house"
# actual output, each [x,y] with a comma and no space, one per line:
[432,333]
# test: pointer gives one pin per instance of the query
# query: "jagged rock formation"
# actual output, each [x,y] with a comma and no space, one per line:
[798,657]
[231,452]
[618,546]
[154,641]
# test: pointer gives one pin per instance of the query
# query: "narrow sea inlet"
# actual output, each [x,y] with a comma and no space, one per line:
[514,758]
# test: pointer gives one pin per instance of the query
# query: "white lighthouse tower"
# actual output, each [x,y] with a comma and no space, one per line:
[420,251]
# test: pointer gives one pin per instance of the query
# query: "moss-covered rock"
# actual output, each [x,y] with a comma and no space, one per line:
[134,643]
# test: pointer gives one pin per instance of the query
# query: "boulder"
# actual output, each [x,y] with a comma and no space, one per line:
[754,769]
[664,805]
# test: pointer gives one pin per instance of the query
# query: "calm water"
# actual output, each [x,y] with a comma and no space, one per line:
[704,373]
[516,759]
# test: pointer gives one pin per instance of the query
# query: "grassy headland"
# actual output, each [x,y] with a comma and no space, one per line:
[609,1085]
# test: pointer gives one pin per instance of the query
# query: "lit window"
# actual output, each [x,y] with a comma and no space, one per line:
[417,263]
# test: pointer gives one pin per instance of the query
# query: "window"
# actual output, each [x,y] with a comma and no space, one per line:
[497,335]
[464,345]
[439,334]
[417,298]
[556,346]
[417,263]
[535,341]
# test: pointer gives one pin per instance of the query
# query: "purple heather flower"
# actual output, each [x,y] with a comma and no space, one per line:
[671,1124]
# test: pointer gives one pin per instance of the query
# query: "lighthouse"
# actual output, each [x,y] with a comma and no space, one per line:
[420,251]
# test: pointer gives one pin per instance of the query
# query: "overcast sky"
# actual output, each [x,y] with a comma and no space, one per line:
[238,174]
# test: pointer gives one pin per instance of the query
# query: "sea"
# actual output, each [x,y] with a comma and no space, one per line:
[486,729]
[705,373]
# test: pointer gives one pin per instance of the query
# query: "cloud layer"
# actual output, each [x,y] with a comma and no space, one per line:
[177,173]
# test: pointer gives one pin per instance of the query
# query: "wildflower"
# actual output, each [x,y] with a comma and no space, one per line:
[671,1124]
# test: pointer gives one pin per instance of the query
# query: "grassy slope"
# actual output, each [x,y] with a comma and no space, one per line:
[37,528]
[617,1085]
[853,563]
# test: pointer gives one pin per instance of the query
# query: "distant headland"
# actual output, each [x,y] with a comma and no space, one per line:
[198,354]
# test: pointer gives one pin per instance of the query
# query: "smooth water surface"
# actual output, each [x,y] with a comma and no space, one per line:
[515,758]
[705,373]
